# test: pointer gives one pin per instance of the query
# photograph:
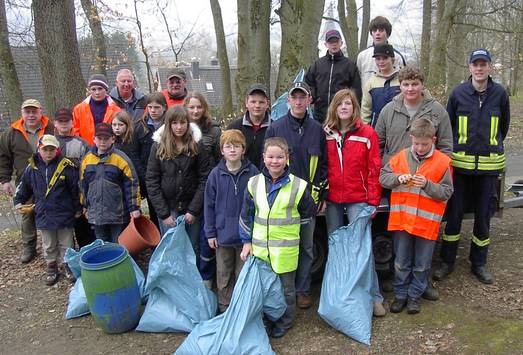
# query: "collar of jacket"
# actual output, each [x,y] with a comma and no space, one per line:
[265,123]
[110,100]
[335,133]
[399,106]
[246,164]
[115,94]
[284,178]
[295,125]
[19,126]
[36,160]
[336,56]
[94,150]
[196,132]
[471,90]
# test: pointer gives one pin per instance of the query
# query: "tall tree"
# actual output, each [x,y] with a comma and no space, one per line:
[365,25]
[95,24]
[11,85]
[58,55]
[426,27]
[300,25]
[254,59]
[142,45]
[174,34]
[222,57]
[349,25]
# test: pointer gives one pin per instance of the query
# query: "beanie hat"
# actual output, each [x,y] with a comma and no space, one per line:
[98,79]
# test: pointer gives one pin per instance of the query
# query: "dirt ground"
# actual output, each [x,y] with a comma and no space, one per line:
[469,318]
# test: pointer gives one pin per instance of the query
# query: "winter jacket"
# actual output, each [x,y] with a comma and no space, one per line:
[367,64]
[211,142]
[54,209]
[306,144]
[135,107]
[109,186]
[132,150]
[73,148]
[223,201]
[479,128]
[15,149]
[143,138]
[378,92]
[173,101]
[326,76]
[177,184]
[394,123]
[354,165]
[83,121]
[254,151]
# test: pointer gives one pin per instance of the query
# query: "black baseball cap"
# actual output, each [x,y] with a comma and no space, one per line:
[480,53]
[176,72]
[301,86]
[103,130]
[258,88]
[63,114]
[383,49]
[332,34]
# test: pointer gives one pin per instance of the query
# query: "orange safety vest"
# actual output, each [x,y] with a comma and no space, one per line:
[83,121]
[170,101]
[411,209]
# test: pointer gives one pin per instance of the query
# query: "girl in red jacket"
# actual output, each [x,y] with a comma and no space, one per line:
[354,163]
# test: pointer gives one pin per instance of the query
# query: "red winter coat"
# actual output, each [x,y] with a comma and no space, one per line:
[354,165]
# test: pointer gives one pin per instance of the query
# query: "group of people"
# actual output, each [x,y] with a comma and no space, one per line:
[257,187]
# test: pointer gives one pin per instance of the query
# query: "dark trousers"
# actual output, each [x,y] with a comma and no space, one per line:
[83,232]
[479,192]
[109,232]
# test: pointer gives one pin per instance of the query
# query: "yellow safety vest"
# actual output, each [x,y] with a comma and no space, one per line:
[276,229]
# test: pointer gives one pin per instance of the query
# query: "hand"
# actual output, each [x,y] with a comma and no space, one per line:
[84,210]
[322,206]
[136,214]
[169,222]
[189,218]
[78,214]
[246,251]
[404,178]
[419,181]
[213,243]
[8,188]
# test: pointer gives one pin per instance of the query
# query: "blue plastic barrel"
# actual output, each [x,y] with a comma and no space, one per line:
[111,288]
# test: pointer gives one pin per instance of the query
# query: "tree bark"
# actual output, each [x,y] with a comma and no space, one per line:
[365,25]
[58,54]
[254,60]
[300,25]
[11,85]
[456,68]
[349,26]
[142,46]
[95,24]
[221,49]
[426,28]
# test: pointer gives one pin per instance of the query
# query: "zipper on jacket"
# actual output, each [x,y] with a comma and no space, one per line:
[363,184]
[330,80]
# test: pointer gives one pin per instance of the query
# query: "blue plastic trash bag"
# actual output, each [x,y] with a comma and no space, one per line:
[281,106]
[178,299]
[240,329]
[346,299]
[77,305]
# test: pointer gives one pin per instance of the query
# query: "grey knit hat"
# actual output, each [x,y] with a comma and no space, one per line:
[98,79]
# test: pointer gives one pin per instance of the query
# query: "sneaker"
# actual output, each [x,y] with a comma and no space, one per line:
[430,293]
[443,271]
[413,306]
[398,304]
[28,254]
[378,310]
[278,332]
[51,276]
[304,301]
[482,274]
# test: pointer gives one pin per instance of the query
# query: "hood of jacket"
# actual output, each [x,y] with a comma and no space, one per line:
[195,130]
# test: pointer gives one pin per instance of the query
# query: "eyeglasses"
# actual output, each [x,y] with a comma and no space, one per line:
[231,146]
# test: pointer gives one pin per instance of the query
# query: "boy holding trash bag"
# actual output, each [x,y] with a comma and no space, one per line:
[275,204]
[421,184]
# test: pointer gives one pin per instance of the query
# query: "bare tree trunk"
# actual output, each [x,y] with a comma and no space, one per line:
[456,57]
[425,36]
[300,26]
[518,60]
[223,58]
[142,46]
[58,54]
[365,24]
[11,85]
[254,59]
[349,26]
[95,24]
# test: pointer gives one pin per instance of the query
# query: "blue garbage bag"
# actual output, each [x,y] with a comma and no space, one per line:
[346,299]
[77,305]
[240,330]
[281,106]
[178,299]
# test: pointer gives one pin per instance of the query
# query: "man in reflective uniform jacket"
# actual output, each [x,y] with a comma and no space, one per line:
[480,114]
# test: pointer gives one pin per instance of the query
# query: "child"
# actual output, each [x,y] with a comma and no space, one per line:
[110,189]
[223,198]
[275,204]
[53,181]
[421,184]
[123,129]
[176,173]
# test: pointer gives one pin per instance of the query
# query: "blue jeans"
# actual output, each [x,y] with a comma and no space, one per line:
[108,232]
[334,218]
[193,230]
[411,264]
[306,258]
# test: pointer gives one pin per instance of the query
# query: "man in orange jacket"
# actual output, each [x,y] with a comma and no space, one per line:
[176,87]
[98,107]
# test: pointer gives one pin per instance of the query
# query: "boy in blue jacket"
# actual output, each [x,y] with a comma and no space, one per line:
[53,181]
[223,199]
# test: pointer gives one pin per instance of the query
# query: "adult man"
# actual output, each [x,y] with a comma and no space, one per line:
[380,30]
[17,144]
[254,122]
[176,87]
[479,112]
[126,96]
[307,160]
[331,73]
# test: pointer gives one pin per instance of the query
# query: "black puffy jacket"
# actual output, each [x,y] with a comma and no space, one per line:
[211,142]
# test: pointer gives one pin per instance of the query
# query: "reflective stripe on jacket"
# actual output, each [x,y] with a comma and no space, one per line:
[83,121]
[411,208]
[276,229]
